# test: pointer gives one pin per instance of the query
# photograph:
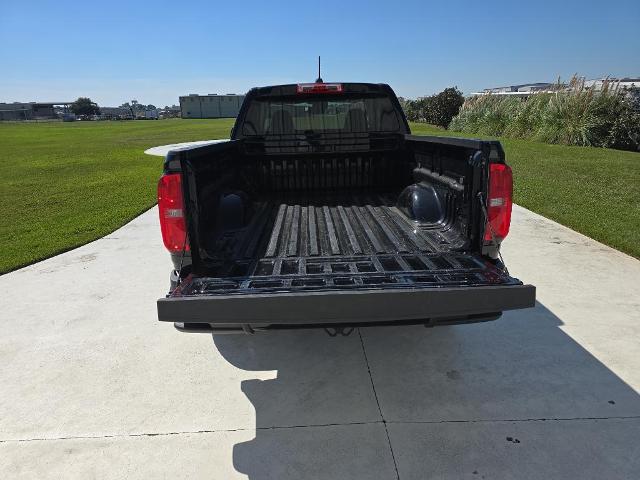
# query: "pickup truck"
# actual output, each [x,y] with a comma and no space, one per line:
[323,211]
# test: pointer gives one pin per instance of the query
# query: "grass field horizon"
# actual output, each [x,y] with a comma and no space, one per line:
[594,191]
[66,184]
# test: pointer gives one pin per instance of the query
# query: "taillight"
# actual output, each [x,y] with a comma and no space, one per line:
[171,207]
[319,88]
[499,201]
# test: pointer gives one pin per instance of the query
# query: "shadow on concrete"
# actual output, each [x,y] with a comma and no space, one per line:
[320,417]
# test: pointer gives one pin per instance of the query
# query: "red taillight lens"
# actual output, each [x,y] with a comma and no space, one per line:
[319,88]
[171,207]
[499,202]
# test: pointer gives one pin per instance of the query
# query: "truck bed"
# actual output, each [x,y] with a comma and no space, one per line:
[341,241]
[322,210]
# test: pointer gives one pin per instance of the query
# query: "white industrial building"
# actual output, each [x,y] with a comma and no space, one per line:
[523,90]
[210,106]
[626,83]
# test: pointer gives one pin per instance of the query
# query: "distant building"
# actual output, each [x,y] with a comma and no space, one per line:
[522,90]
[526,89]
[626,83]
[115,112]
[31,110]
[170,112]
[210,106]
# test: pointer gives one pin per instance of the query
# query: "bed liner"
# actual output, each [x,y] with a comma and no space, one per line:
[349,242]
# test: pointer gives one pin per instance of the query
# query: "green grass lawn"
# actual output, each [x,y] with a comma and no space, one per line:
[592,190]
[65,184]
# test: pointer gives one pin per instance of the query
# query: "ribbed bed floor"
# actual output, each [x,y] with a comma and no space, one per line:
[354,226]
[353,242]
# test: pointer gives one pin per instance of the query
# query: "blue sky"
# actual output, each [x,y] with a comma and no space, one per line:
[115,51]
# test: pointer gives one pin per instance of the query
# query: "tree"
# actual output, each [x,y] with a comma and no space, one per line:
[84,106]
[414,109]
[435,109]
[441,108]
[137,106]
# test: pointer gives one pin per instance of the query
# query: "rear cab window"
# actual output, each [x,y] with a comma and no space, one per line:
[318,114]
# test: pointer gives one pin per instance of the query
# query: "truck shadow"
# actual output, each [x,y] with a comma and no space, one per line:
[321,418]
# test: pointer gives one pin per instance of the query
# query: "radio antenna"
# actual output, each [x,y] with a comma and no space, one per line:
[319,79]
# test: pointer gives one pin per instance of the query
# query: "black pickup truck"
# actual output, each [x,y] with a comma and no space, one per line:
[322,210]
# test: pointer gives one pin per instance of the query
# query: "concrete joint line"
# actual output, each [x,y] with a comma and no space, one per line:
[375,394]
[185,432]
[318,425]
[515,420]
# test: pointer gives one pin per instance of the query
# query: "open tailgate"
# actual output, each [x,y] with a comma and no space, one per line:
[346,306]
[475,287]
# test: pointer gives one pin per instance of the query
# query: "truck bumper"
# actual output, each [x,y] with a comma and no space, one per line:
[346,307]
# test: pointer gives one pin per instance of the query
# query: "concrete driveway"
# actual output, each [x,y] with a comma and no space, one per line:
[92,386]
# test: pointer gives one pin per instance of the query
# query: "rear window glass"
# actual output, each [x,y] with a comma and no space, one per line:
[321,114]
